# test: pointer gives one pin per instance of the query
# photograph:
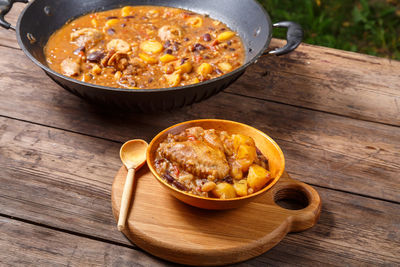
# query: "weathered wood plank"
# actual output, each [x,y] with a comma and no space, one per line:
[8,37]
[330,80]
[23,244]
[320,148]
[64,179]
[324,149]
[335,81]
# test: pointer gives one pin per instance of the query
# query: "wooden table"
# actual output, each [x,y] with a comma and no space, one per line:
[335,114]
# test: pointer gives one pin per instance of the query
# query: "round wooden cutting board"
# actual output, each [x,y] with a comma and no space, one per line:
[170,229]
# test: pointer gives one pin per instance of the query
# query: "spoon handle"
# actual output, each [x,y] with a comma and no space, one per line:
[126,198]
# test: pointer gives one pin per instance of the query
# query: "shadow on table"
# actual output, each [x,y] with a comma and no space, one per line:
[301,248]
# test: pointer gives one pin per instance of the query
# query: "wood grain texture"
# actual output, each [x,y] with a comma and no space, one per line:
[172,230]
[350,84]
[23,244]
[63,180]
[323,149]
[340,82]
[8,37]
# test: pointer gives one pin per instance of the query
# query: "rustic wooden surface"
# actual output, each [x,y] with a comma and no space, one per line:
[335,114]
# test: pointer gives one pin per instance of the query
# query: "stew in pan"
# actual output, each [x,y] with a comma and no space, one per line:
[144,47]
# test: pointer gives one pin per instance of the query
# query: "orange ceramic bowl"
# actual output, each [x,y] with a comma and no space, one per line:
[264,143]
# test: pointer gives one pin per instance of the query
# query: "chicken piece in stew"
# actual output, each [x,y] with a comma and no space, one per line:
[144,47]
[211,163]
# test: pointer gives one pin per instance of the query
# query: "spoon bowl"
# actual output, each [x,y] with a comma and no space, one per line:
[133,153]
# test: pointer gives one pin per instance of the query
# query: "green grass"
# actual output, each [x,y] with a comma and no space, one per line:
[364,26]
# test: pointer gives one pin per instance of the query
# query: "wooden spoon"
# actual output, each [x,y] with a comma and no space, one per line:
[133,155]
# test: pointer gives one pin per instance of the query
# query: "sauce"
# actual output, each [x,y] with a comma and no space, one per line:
[144,47]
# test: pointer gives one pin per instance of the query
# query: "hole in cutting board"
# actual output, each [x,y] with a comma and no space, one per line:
[291,199]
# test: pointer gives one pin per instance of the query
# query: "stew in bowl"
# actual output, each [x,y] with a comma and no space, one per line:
[215,164]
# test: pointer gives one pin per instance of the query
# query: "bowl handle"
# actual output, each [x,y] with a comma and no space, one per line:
[294,38]
[5,7]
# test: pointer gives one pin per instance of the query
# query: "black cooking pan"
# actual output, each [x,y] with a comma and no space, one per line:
[42,17]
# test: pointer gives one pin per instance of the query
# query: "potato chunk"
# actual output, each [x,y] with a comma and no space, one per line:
[111,22]
[240,139]
[127,11]
[195,22]
[204,69]
[225,36]
[95,22]
[236,171]
[185,67]
[173,79]
[147,59]
[207,187]
[151,47]
[224,191]
[245,156]
[167,58]
[241,188]
[258,177]
[195,80]
[225,67]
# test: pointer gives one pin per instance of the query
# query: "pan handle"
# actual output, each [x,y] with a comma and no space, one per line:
[5,7]
[294,37]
